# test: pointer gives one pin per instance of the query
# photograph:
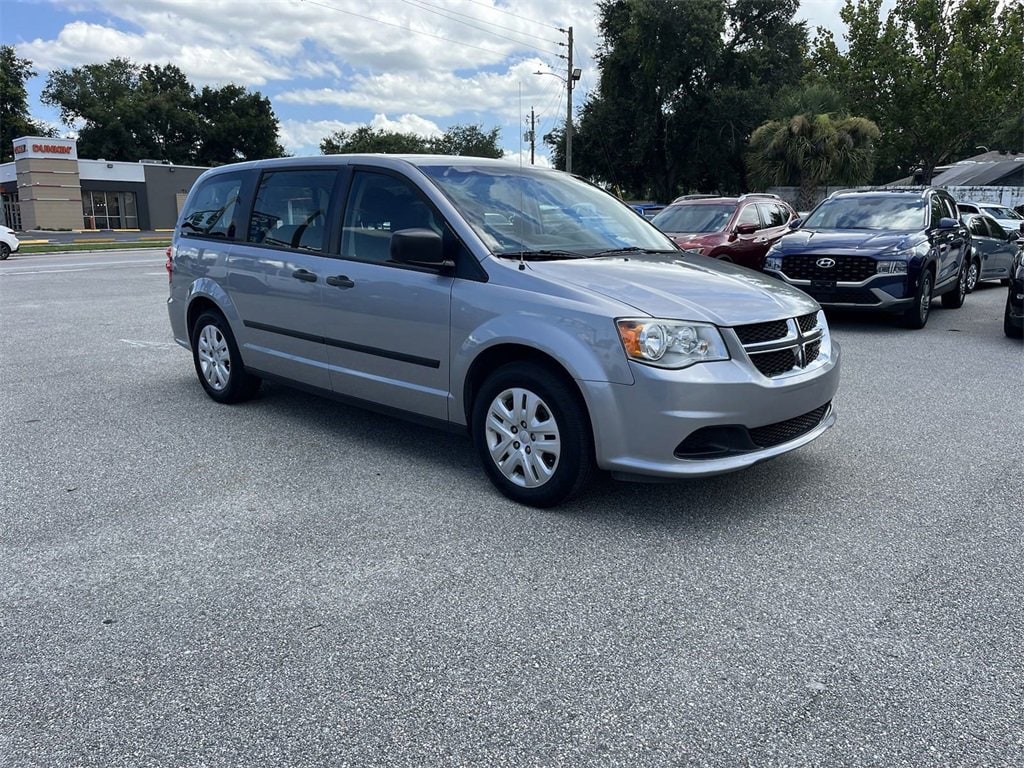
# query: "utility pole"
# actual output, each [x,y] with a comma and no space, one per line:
[572,75]
[531,135]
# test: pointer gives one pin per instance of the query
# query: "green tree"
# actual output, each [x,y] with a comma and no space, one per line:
[808,150]
[15,120]
[683,83]
[468,140]
[235,124]
[365,139]
[129,112]
[937,76]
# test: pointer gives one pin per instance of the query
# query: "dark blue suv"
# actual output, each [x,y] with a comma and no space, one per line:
[879,249]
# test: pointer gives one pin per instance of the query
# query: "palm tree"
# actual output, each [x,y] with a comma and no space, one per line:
[807,150]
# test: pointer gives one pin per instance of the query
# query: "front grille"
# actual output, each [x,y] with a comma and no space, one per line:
[847,269]
[758,333]
[775,363]
[733,439]
[791,429]
[779,346]
[807,323]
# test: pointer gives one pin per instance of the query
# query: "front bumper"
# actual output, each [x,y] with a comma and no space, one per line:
[639,429]
[884,293]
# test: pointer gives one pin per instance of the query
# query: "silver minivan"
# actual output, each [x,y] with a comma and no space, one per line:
[537,312]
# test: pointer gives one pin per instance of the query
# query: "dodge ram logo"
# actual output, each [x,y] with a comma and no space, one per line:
[826,263]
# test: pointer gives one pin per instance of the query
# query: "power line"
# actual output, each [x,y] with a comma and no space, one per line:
[405,28]
[510,13]
[445,14]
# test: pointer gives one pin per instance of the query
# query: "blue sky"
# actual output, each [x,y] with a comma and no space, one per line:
[419,66]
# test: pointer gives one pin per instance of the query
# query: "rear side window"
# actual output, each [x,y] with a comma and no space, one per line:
[290,209]
[212,209]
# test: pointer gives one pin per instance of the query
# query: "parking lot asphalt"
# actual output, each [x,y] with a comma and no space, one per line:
[295,582]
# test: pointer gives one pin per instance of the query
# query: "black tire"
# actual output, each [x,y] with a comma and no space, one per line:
[954,299]
[1009,328]
[217,360]
[5,251]
[560,441]
[973,274]
[916,316]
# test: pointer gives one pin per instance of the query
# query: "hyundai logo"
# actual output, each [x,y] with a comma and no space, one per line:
[826,263]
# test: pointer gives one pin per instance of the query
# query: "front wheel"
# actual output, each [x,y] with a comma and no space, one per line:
[917,315]
[532,434]
[973,273]
[218,362]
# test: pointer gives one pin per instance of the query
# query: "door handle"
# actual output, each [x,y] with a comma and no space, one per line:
[340,281]
[305,275]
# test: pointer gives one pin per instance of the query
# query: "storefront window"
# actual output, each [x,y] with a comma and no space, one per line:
[109,210]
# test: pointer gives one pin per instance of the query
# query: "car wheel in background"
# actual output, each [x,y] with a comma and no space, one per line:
[532,434]
[954,299]
[917,315]
[218,362]
[1009,328]
[973,272]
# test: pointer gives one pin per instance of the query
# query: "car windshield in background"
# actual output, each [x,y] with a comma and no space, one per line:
[1001,213]
[857,212]
[704,217]
[541,214]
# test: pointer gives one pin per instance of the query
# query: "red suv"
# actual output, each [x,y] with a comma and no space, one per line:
[736,229]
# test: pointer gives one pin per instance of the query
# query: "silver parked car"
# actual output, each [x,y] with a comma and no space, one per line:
[525,306]
[992,250]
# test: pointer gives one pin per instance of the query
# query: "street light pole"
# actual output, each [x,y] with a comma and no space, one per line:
[568,106]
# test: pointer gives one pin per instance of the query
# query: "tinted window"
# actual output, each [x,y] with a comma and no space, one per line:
[379,204]
[997,229]
[290,209]
[948,207]
[211,210]
[773,214]
[748,215]
[936,210]
[900,212]
[979,227]
[694,217]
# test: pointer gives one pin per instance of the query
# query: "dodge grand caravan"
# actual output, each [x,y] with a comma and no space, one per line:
[538,313]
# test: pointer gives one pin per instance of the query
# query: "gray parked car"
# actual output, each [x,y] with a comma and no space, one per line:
[525,306]
[992,250]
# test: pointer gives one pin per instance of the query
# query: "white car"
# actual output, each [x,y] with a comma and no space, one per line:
[9,242]
[1007,218]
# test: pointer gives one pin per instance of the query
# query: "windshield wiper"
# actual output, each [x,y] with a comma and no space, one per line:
[541,255]
[629,249]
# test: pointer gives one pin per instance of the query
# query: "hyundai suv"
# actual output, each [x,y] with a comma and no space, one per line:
[736,229]
[524,306]
[887,250]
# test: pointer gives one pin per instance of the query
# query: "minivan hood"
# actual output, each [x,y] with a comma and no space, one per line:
[683,287]
[854,241]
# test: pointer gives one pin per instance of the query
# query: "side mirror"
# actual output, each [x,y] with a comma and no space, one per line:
[419,248]
[795,223]
[746,229]
[947,223]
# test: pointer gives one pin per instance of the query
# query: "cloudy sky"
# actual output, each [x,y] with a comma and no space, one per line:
[419,66]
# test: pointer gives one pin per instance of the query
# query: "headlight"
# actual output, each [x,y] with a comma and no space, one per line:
[773,262]
[891,268]
[671,343]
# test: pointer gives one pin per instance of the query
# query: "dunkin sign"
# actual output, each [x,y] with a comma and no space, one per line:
[43,147]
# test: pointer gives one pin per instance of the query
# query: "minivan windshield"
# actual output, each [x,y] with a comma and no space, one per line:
[897,212]
[525,212]
[694,217]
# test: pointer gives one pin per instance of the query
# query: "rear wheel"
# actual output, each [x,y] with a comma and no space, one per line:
[218,362]
[5,251]
[532,434]
[917,315]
